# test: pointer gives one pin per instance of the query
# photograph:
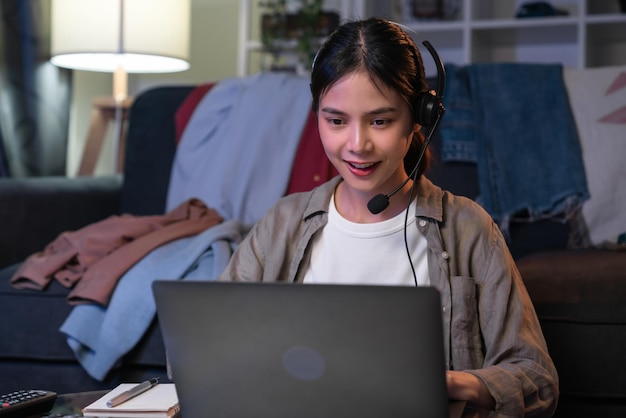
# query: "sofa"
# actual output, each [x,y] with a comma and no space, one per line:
[579,294]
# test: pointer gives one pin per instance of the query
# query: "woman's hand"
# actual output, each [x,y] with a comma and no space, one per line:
[465,386]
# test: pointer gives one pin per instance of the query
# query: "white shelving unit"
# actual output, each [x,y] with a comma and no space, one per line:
[592,34]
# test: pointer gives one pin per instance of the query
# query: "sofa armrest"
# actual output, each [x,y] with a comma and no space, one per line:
[35,210]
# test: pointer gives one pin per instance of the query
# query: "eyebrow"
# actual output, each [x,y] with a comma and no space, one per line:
[371,112]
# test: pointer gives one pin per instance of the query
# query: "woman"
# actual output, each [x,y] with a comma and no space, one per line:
[365,82]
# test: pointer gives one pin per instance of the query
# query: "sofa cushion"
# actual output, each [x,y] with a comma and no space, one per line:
[577,285]
[39,315]
[579,297]
[35,210]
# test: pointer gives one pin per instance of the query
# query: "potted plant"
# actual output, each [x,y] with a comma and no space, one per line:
[295,31]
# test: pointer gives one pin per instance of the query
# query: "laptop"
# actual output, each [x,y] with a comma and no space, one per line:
[290,350]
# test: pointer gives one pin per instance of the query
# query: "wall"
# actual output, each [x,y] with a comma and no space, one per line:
[213,56]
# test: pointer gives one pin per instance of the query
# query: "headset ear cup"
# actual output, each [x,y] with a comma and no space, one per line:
[427,109]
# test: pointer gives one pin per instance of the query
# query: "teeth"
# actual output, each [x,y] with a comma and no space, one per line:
[365,165]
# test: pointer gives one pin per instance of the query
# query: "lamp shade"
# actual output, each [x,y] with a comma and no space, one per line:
[138,36]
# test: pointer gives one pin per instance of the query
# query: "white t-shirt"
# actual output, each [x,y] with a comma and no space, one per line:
[346,252]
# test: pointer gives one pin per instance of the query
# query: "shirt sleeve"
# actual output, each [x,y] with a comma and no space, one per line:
[517,369]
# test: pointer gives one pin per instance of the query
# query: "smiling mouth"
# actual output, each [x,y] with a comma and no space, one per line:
[361,166]
[362,169]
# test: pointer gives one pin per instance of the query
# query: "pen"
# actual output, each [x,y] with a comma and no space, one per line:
[132,392]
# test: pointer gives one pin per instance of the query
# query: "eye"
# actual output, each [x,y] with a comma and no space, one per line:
[380,122]
[334,121]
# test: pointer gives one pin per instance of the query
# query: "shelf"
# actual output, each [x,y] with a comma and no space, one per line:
[607,18]
[593,34]
[430,26]
[524,23]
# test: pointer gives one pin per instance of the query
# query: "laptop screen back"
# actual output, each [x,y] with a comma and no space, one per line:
[288,350]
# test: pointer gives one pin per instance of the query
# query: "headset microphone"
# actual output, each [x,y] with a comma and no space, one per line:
[380,202]
[429,112]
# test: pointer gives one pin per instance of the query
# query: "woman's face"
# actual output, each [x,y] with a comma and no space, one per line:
[366,131]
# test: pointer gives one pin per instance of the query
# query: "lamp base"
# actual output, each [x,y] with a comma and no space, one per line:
[106,109]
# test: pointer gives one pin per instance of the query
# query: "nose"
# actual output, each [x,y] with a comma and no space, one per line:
[359,140]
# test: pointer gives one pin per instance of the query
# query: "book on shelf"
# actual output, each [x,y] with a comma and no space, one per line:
[161,401]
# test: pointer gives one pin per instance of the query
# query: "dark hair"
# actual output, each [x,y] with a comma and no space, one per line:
[383,50]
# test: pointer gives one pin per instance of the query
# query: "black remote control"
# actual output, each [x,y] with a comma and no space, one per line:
[24,403]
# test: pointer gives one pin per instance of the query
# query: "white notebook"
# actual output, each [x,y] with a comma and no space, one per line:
[159,401]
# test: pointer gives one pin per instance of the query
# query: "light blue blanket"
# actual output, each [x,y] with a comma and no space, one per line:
[238,148]
[100,336]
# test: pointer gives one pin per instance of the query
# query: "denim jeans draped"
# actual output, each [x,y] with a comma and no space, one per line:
[515,121]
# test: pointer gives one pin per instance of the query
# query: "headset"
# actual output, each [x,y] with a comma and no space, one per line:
[429,107]
[429,110]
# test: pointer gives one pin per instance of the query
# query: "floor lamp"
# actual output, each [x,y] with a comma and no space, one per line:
[119,37]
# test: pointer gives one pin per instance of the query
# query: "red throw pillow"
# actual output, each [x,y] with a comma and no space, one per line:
[311,167]
[185,110]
